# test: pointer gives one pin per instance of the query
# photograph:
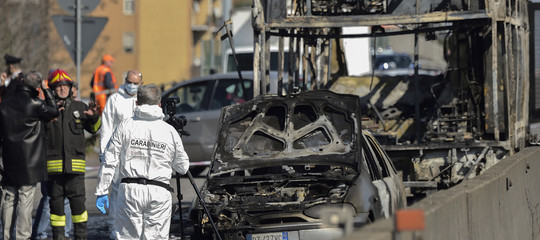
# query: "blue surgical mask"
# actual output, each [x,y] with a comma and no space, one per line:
[131,88]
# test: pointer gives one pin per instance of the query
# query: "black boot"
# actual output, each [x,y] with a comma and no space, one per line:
[80,230]
[58,233]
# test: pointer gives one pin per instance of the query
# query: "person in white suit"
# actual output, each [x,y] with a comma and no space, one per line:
[119,106]
[146,150]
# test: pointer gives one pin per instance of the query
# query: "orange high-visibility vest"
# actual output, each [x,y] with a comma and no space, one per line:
[100,92]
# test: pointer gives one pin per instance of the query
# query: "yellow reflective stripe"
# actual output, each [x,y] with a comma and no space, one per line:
[58,221]
[80,218]
[54,79]
[51,162]
[78,165]
[95,127]
[78,161]
[54,166]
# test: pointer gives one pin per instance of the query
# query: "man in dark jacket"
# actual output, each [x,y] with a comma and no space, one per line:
[11,78]
[66,155]
[22,131]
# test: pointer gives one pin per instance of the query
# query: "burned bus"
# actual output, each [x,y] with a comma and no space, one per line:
[445,85]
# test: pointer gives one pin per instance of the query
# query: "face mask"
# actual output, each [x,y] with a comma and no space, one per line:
[131,88]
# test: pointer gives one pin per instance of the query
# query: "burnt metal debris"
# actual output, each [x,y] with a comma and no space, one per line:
[449,109]
[439,125]
[283,164]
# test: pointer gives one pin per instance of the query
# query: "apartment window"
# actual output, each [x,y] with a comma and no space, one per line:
[129,7]
[128,42]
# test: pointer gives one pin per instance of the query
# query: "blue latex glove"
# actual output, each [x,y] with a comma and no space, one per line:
[101,202]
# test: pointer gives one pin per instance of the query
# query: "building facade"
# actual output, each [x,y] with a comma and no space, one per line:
[163,39]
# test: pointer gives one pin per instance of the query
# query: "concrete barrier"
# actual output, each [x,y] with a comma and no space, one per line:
[503,203]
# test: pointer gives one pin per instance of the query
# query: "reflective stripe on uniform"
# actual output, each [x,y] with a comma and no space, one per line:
[78,165]
[54,166]
[58,221]
[80,218]
[95,127]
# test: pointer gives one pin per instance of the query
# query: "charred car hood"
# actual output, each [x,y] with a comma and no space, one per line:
[314,127]
[283,162]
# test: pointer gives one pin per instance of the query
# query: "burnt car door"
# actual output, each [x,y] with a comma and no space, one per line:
[384,177]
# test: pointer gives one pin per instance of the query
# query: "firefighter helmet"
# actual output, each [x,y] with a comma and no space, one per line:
[58,76]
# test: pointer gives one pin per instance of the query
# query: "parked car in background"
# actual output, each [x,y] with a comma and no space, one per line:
[390,61]
[201,100]
[287,167]
[244,56]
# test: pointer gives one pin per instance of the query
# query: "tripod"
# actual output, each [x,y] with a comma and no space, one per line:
[178,122]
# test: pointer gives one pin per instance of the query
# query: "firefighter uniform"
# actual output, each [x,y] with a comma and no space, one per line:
[66,162]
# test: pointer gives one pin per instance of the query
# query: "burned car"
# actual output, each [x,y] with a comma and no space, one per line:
[298,166]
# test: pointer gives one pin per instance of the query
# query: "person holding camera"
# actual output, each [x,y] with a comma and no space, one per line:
[22,134]
[119,106]
[66,145]
[145,149]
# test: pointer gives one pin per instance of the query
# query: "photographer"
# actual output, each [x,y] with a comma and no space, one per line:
[22,118]
[146,150]
[66,155]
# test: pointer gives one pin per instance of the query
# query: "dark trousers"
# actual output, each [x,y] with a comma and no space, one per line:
[70,186]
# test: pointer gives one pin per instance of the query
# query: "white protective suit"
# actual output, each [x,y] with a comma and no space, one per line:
[143,146]
[119,106]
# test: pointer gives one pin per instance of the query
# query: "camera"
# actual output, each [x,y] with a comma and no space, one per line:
[178,122]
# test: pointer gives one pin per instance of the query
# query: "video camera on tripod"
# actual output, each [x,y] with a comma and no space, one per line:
[178,122]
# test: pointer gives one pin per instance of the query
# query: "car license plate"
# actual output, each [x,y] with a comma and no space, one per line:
[269,236]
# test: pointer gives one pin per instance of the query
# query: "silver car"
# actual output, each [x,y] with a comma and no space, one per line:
[298,166]
[201,100]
